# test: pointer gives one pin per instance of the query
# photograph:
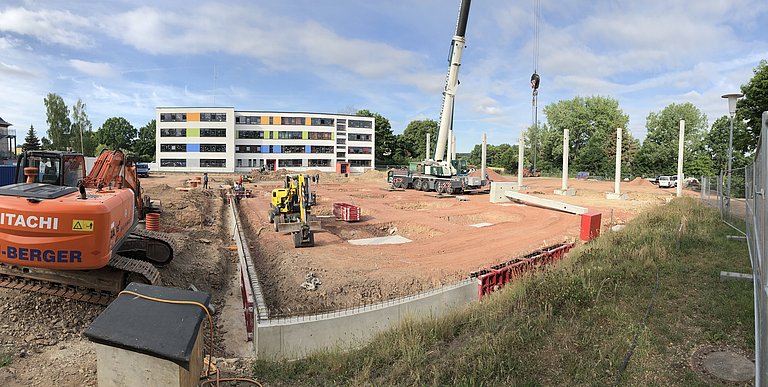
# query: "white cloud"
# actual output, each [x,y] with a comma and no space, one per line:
[14,70]
[49,26]
[278,42]
[101,70]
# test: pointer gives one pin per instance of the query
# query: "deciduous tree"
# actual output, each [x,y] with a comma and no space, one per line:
[658,154]
[385,141]
[751,108]
[59,125]
[144,147]
[116,133]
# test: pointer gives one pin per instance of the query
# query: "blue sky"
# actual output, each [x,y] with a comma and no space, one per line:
[124,58]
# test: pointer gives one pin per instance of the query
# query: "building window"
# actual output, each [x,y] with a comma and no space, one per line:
[340,154]
[213,132]
[322,122]
[358,137]
[289,135]
[248,120]
[319,163]
[289,163]
[293,120]
[252,134]
[360,124]
[181,132]
[359,163]
[319,135]
[293,148]
[239,163]
[321,149]
[173,162]
[213,147]
[341,141]
[213,117]
[173,117]
[359,150]
[173,147]
[247,148]
[213,163]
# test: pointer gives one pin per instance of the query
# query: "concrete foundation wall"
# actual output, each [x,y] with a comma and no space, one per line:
[297,337]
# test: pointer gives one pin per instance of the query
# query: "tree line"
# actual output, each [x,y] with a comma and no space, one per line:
[72,130]
[592,123]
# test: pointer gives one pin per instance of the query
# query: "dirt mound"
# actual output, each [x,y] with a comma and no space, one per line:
[492,175]
[640,182]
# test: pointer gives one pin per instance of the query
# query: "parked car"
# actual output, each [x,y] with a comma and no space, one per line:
[667,181]
[142,169]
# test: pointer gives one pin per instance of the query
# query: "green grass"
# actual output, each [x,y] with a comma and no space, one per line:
[5,359]
[573,324]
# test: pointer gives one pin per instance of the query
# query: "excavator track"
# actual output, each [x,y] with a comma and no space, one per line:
[150,246]
[93,286]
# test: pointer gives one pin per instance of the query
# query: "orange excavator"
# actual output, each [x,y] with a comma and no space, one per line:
[66,233]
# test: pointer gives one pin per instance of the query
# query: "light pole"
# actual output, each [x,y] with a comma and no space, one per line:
[732,98]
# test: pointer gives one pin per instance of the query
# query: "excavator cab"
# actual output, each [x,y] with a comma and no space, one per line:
[51,167]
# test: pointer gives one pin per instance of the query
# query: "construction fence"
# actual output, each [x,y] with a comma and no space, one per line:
[746,211]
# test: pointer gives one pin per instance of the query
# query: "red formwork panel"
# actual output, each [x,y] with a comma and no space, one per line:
[346,212]
[590,225]
[246,294]
[497,276]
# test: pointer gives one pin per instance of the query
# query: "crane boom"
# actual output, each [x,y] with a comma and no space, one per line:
[446,115]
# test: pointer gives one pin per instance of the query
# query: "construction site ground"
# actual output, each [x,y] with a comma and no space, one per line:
[41,336]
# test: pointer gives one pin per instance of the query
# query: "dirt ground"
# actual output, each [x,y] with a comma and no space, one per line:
[41,336]
[444,248]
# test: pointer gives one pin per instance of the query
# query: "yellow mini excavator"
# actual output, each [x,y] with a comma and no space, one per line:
[289,210]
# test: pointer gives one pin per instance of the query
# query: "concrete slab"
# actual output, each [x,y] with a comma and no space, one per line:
[615,196]
[729,366]
[387,240]
[479,225]
[498,189]
[567,192]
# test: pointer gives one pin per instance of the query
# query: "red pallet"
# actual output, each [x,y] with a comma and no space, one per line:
[497,276]
[346,212]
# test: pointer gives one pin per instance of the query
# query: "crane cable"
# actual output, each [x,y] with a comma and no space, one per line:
[535,80]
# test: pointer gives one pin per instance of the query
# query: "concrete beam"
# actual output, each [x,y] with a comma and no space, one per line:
[727,275]
[547,203]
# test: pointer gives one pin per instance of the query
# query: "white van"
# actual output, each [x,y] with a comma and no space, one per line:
[667,182]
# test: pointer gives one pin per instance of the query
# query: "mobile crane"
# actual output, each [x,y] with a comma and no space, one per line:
[290,210]
[442,174]
[69,234]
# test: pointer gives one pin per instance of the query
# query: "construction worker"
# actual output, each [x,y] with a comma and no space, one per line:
[205,180]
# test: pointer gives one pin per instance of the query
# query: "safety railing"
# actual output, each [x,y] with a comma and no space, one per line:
[498,276]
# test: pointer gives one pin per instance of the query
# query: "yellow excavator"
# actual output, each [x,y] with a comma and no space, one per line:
[290,210]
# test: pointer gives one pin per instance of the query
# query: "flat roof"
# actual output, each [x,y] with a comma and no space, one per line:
[259,111]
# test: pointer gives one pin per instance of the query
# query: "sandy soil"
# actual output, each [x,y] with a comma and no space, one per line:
[445,247]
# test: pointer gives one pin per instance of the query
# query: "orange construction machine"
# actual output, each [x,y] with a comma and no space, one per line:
[66,233]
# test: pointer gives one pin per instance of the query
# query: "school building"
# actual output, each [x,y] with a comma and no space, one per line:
[221,139]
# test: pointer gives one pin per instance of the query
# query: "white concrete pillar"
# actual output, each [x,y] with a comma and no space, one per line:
[520,161]
[616,194]
[566,142]
[617,182]
[482,160]
[680,149]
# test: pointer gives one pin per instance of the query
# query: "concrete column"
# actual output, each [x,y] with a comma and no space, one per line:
[482,161]
[428,140]
[566,148]
[617,179]
[680,149]
[520,161]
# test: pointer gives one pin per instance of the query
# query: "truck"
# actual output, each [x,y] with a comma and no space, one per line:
[442,173]
[142,169]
